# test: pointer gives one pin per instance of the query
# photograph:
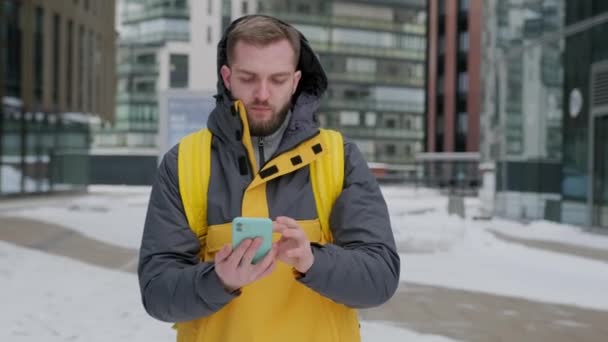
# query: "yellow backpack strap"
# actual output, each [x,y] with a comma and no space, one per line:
[194,167]
[327,175]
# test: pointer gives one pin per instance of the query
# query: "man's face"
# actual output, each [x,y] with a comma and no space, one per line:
[264,78]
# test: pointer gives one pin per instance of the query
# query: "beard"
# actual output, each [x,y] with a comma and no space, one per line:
[266,128]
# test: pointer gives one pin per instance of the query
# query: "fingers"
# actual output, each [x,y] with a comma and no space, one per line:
[223,253]
[237,254]
[267,265]
[295,253]
[278,227]
[288,221]
[250,252]
[267,260]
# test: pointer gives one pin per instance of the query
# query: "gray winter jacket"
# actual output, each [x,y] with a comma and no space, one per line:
[360,269]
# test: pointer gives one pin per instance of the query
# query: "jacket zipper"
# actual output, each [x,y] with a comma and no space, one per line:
[261,151]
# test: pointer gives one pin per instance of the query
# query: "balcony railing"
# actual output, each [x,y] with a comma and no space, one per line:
[130,17]
[131,68]
[371,51]
[373,105]
[156,37]
[375,79]
[381,133]
[136,97]
[326,20]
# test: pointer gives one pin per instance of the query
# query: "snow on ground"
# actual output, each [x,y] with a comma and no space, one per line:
[51,298]
[442,250]
[111,214]
[436,249]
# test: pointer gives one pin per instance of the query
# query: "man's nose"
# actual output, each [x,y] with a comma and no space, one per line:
[262,92]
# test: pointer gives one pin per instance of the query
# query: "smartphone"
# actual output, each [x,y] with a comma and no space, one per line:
[252,227]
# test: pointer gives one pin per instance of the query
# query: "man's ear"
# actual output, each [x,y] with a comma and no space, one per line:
[226,72]
[296,80]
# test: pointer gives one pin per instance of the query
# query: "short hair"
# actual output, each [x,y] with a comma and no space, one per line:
[261,31]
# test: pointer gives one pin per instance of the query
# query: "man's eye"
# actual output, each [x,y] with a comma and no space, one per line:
[279,80]
[247,80]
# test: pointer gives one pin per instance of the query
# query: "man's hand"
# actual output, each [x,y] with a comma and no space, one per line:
[234,267]
[294,247]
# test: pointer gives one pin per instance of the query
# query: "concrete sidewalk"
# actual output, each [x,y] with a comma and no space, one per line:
[65,242]
[462,315]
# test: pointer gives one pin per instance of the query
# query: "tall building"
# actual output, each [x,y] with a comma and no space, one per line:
[521,126]
[373,53]
[584,186]
[454,84]
[163,46]
[453,94]
[58,75]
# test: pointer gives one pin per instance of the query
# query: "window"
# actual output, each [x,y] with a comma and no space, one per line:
[441,6]
[407,124]
[463,123]
[408,150]
[463,5]
[463,82]
[463,41]
[178,71]
[81,57]
[91,73]
[370,119]
[56,62]
[441,45]
[349,118]
[38,54]
[69,64]
[210,7]
[364,37]
[244,7]
[390,149]
[314,33]
[361,65]
[303,8]
[209,35]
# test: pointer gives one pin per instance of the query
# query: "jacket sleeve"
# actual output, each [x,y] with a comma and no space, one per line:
[175,286]
[361,268]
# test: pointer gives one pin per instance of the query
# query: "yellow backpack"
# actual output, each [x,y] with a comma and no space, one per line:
[327,175]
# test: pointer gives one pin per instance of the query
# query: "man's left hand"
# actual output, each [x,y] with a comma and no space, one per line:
[294,247]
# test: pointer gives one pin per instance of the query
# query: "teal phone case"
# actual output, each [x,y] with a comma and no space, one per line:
[252,227]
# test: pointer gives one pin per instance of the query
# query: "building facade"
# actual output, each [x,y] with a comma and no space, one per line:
[545,112]
[453,93]
[163,46]
[373,53]
[584,185]
[454,82]
[58,76]
[521,124]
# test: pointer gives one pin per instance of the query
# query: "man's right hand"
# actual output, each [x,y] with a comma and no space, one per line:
[234,267]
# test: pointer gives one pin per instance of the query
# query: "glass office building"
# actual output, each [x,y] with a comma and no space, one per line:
[585,156]
[147,26]
[56,77]
[374,56]
[545,112]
